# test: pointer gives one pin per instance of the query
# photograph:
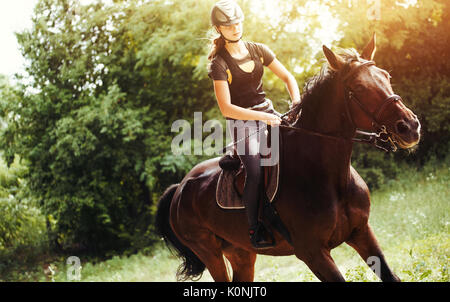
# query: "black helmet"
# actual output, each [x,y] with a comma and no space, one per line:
[226,12]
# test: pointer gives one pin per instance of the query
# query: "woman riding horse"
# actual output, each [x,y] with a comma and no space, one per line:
[237,69]
[321,199]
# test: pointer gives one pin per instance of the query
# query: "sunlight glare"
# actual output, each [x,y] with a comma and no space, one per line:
[325,34]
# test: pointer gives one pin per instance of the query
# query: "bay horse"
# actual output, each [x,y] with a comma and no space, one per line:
[321,199]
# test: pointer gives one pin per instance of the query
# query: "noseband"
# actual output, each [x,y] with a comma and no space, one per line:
[381,134]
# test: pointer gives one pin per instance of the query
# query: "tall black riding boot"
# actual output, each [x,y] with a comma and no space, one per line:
[259,236]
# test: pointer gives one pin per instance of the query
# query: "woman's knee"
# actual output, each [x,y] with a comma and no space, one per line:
[252,164]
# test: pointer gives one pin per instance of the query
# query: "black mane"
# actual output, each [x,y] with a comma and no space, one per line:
[318,86]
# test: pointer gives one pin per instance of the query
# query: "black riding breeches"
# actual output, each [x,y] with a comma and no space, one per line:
[248,150]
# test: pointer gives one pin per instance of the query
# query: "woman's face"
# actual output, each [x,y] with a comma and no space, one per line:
[231,32]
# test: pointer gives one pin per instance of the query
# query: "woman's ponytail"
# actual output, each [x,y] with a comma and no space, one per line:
[217,44]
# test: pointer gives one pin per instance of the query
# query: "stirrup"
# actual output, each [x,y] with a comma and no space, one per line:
[258,233]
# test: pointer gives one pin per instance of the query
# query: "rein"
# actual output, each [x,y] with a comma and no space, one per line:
[380,139]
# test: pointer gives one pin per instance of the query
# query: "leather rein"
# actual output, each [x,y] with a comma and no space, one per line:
[380,139]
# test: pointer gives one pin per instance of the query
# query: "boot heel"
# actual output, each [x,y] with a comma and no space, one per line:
[258,237]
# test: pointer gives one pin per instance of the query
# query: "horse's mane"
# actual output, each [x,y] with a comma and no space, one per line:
[318,86]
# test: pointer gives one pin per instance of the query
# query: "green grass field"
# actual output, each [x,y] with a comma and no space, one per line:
[409,217]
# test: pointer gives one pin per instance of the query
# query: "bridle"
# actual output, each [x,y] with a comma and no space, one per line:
[381,138]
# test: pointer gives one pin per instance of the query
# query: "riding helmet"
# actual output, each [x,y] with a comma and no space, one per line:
[226,12]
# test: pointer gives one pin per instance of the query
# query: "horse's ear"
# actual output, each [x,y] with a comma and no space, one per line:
[334,61]
[369,50]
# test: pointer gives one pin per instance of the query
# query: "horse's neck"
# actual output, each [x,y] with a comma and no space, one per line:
[327,115]
[315,159]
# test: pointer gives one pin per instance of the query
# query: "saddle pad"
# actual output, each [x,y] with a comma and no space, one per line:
[231,184]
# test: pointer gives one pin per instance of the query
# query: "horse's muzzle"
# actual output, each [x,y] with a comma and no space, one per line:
[407,132]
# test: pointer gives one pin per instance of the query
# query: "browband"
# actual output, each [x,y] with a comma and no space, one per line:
[353,71]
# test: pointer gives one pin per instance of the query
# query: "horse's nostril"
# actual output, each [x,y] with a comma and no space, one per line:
[402,127]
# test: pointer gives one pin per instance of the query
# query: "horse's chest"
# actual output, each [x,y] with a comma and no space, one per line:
[341,230]
[347,219]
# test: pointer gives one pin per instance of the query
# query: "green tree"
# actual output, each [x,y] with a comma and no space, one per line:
[93,130]
[106,81]
[414,45]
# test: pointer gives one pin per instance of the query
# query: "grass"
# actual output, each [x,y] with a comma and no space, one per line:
[409,217]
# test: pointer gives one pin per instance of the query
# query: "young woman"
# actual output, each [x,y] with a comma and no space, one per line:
[236,69]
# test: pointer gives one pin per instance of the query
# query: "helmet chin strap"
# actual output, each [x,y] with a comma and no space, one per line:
[230,41]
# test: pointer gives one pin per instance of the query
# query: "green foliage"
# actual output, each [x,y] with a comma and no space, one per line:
[22,226]
[92,121]
[374,166]
[20,223]
[94,132]
[414,46]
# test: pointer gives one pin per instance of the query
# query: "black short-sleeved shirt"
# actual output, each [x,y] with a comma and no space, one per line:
[245,87]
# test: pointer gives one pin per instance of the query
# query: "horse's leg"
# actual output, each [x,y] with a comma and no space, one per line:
[242,263]
[364,242]
[208,248]
[322,265]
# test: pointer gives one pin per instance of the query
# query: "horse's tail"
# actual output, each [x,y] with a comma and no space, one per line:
[192,267]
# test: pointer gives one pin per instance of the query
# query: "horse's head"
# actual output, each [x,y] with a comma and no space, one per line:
[370,101]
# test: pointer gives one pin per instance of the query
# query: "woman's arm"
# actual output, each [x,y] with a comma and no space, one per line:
[223,97]
[278,69]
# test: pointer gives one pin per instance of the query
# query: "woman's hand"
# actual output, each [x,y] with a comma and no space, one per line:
[272,120]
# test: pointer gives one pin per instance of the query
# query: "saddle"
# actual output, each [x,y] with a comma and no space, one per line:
[230,185]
